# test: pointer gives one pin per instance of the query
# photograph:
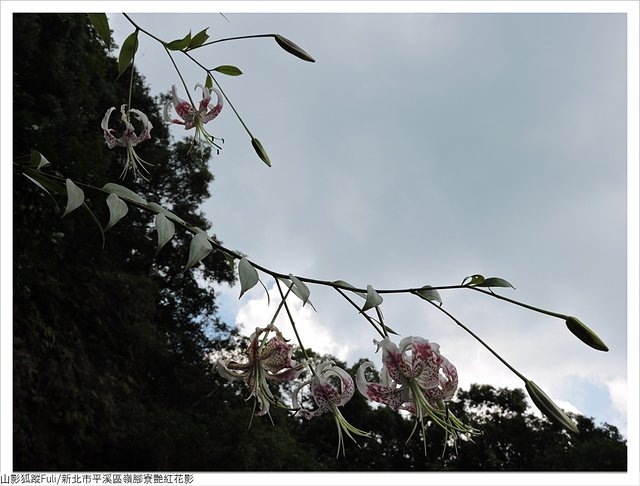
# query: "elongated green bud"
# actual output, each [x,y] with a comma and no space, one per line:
[262,153]
[584,334]
[292,48]
[549,408]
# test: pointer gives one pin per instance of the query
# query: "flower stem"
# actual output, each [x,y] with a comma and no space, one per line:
[477,338]
[293,324]
[371,321]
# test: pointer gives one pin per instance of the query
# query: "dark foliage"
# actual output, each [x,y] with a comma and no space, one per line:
[112,346]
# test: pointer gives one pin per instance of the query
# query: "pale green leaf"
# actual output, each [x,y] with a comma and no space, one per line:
[427,293]
[179,44]
[75,197]
[198,39]
[247,274]
[38,160]
[156,208]
[373,299]
[476,279]
[124,193]
[117,209]
[100,22]
[127,52]
[303,291]
[495,282]
[165,228]
[199,248]
[228,70]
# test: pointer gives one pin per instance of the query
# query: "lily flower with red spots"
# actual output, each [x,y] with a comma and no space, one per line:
[128,139]
[415,377]
[192,117]
[331,387]
[267,359]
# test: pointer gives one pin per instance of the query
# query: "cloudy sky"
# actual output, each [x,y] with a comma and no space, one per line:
[420,149]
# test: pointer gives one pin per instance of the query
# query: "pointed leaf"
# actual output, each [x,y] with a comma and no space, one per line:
[347,284]
[127,51]
[199,39]
[100,22]
[585,334]
[165,228]
[117,209]
[75,197]
[124,193]
[391,330]
[292,48]
[208,82]
[428,293]
[373,299]
[156,208]
[495,282]
[473,280]
[179,44]
[199,248]
[549,408]
[38,160]
[262,153]
[303,291]
[46,191]
[228,70]
[248,276]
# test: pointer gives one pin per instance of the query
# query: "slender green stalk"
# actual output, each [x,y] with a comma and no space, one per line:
[477,338]
[231,39]
[293,324]
[326,283]
[371,321]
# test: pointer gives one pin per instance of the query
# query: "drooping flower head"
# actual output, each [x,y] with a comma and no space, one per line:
[129,138]
[331,387]
[267,359]
[192,117]
[415,377]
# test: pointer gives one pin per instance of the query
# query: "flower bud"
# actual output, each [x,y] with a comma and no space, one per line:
[584,334]
[293,49]
[262,153]
[549,408]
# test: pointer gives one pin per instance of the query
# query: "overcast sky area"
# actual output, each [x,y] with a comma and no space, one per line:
[420,149]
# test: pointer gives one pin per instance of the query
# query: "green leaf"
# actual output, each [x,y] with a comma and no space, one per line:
[124,193]
[262,153]
[373,299]
[100,22]
[347,284]
[179,44]
[303,291]
[428,293]
[208,82]
[199,248]
[46,191]
[228,70]
[391,330]
[495,282]
[473,280]
[292,48]
[127,51]
[117,209]
[165,228]
[198,39]
[248,276]
[38,160]
[585,334]
[75,197]
[549,408]
[156,208]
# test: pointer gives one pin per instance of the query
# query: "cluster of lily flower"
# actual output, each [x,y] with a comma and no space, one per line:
[191,117]
[415,377]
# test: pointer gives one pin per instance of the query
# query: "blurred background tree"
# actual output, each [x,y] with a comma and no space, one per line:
[112,346]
